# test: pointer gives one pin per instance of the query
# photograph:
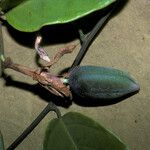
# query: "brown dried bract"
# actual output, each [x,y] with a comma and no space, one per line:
[52,83]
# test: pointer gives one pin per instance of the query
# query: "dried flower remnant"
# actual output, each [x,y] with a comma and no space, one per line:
[53,83]
[41,52]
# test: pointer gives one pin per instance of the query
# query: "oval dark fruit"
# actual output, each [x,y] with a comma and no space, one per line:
[101,82]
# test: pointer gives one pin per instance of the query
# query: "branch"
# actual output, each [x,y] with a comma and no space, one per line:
[50,107]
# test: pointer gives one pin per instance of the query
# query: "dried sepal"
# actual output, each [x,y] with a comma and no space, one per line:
[41,52]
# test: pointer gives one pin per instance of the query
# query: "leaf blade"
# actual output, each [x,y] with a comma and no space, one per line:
[58,127]
[34,14]
[85,133]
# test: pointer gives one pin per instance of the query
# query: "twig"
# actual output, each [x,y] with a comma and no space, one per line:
[89,39]
[60,53]
[50,107]
[8,63]
[1,50]
[47,80]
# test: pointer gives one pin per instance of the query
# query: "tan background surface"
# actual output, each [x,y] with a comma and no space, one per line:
[123,44]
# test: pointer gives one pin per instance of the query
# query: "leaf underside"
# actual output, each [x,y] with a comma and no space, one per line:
[31,15]
[77,132]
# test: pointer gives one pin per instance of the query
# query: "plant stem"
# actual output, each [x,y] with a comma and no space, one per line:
[50,107]
[89,39]
[8,63]
[1,142]
[2,58]
[1,50]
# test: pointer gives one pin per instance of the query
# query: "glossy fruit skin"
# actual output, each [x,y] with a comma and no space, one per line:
[101,82]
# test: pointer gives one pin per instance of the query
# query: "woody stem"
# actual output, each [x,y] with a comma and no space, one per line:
[8,63]
[50,107]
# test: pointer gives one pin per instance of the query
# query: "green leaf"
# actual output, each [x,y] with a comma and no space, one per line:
[33,14]
[77,132]
[1,142]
